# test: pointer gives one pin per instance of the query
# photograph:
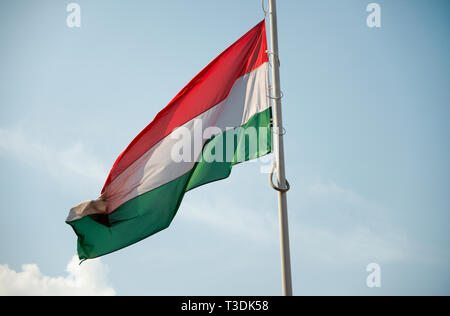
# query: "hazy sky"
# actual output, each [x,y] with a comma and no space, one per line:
[366,112]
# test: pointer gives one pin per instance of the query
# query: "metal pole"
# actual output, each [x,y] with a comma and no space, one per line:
[279,154]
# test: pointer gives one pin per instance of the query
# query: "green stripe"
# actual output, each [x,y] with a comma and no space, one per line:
[153,211]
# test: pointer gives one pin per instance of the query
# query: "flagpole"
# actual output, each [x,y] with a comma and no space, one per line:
[283,185]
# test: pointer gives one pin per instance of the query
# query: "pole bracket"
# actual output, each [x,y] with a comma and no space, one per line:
[276,131]
[264,9]
[277,188]
[276,98]
[274,56]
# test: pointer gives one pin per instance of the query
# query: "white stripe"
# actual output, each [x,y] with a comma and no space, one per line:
[247,97]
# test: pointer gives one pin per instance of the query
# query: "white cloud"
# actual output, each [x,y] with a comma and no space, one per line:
[339,225]
[327,223]
[61,163]
[357,245]
[89,278]
[319,189]
[238,221]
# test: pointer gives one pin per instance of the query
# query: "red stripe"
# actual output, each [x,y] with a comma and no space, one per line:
[208,88]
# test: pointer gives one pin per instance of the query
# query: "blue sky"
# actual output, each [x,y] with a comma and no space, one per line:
[366,112]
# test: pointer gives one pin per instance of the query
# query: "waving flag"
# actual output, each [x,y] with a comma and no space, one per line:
[146,185]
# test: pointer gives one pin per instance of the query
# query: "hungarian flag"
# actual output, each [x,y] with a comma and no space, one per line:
[196,139]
